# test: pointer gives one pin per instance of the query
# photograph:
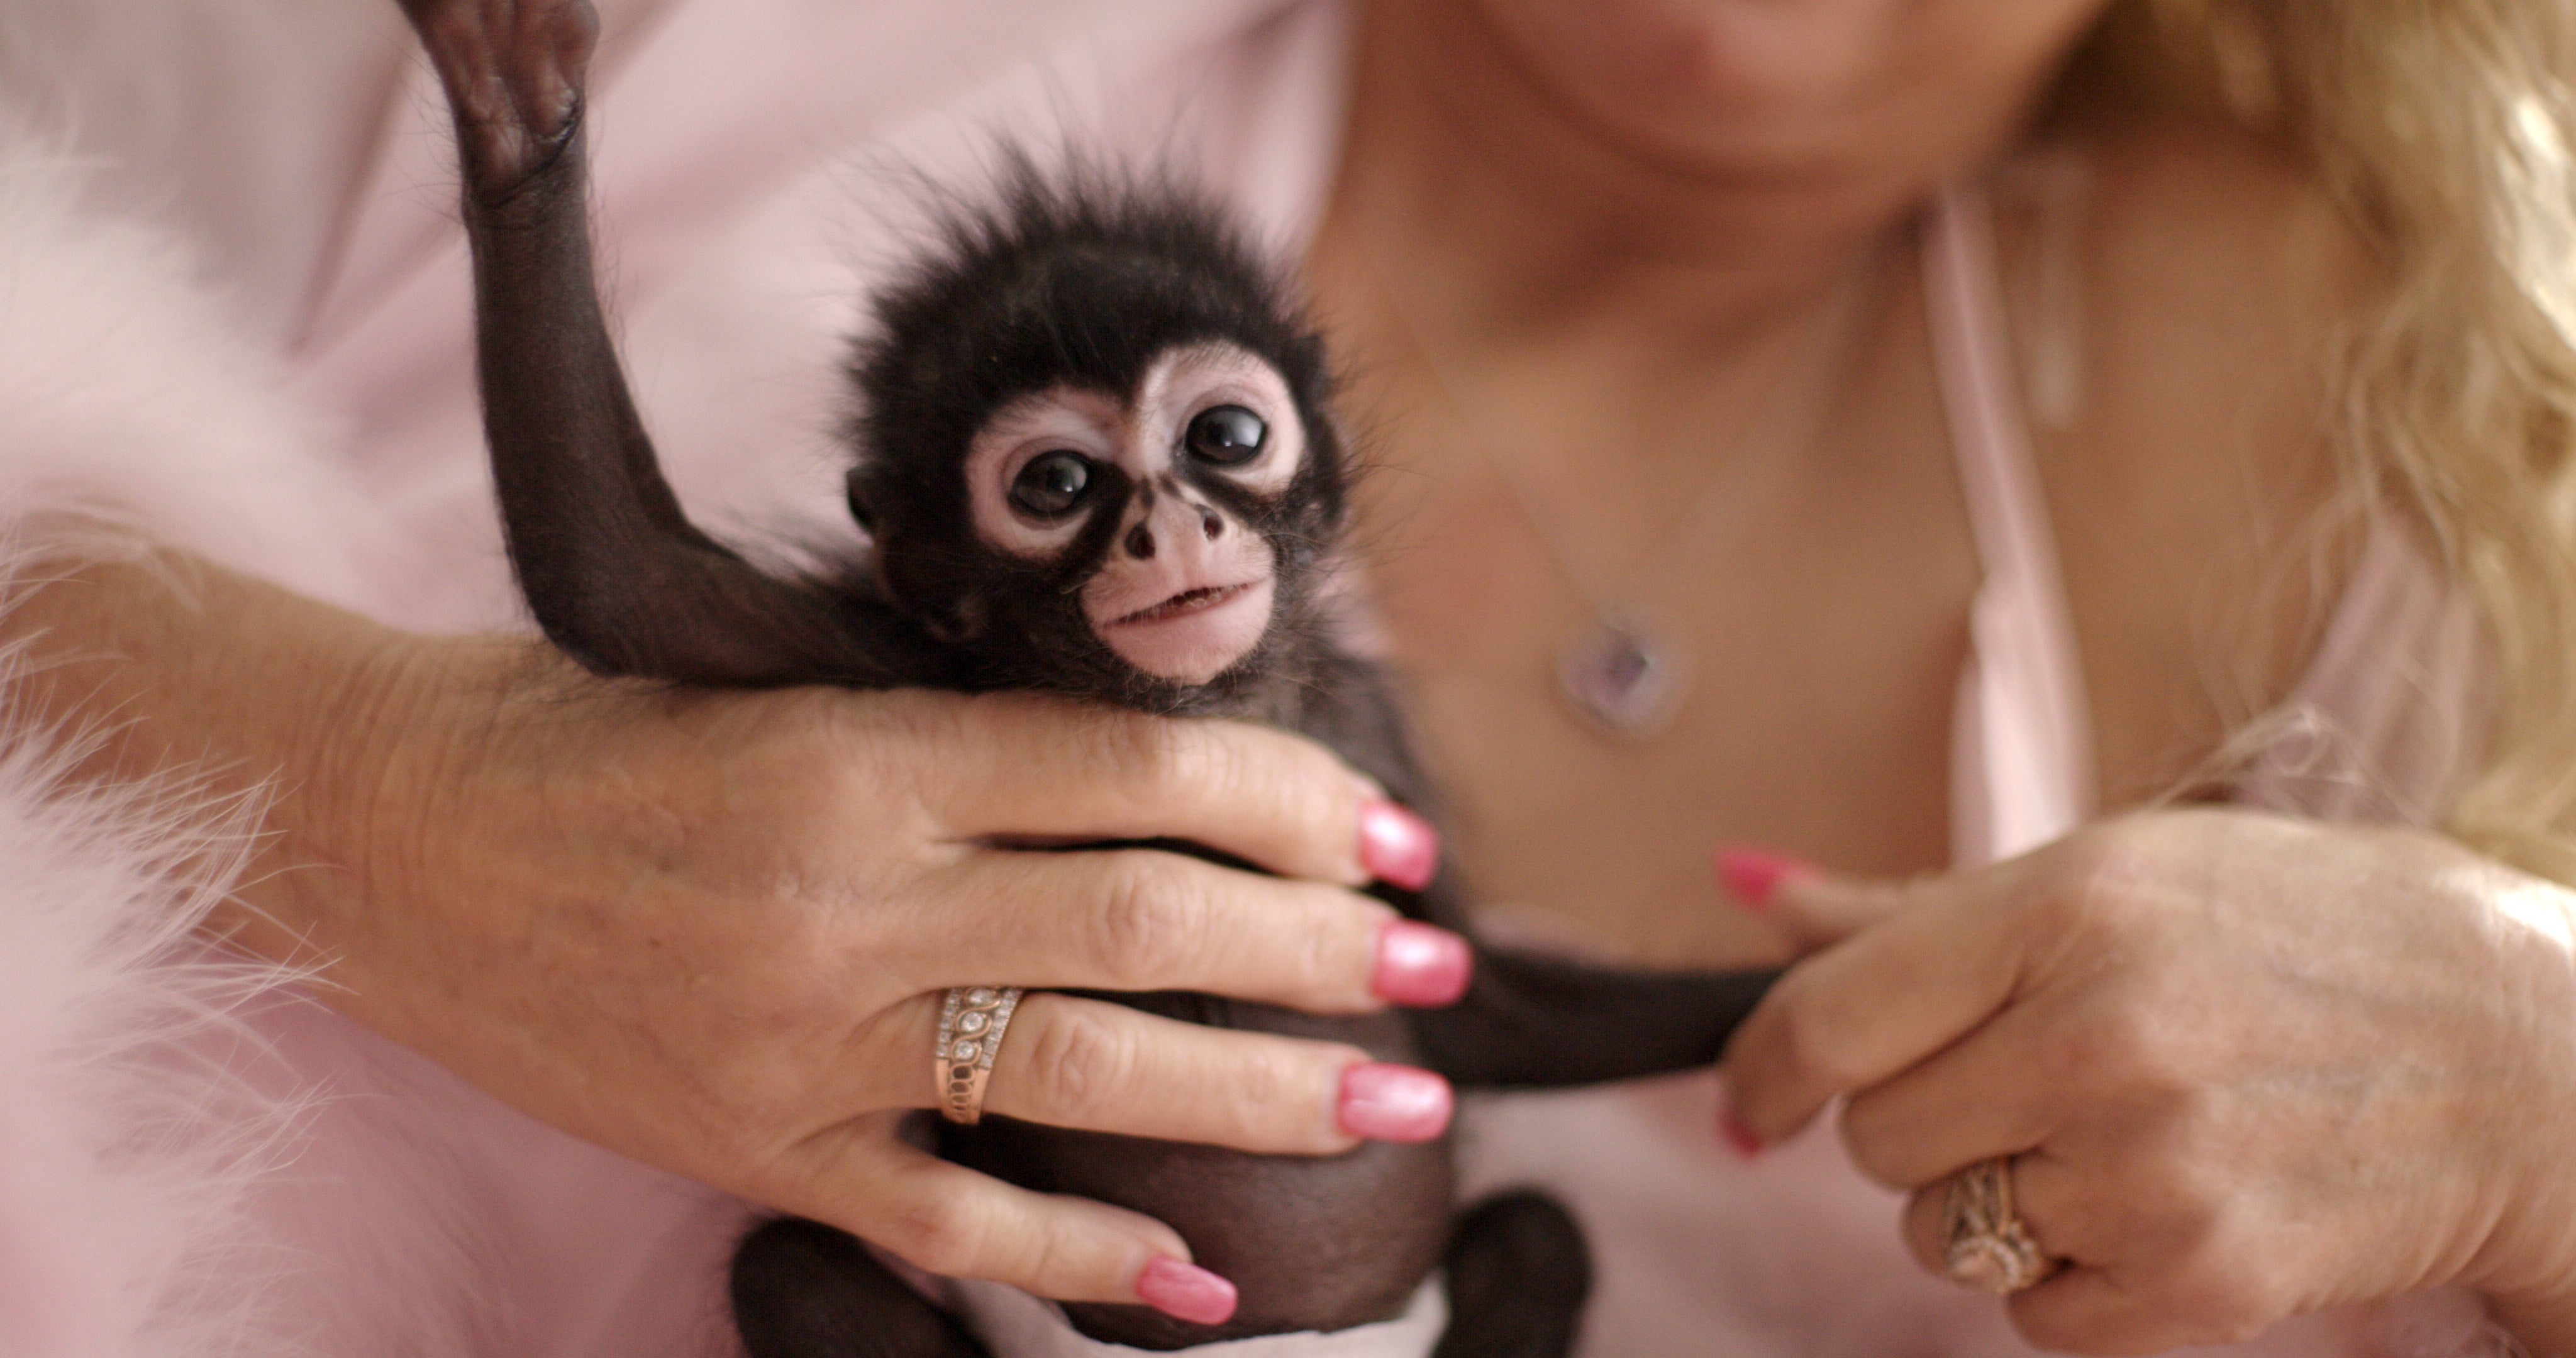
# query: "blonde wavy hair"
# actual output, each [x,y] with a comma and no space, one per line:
[2444,128]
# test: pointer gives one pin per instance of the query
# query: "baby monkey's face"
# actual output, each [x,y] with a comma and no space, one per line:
[1182,464]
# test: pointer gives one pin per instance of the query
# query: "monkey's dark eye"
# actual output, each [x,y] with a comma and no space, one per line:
[1227,436]
[1052,484]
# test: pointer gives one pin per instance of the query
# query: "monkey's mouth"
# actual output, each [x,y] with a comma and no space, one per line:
[1195,634]
[1186,602]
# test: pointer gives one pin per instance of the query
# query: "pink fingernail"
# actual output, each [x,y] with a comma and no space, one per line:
[1185,1291]
[1746,1142]
[1397,847]
[1394,1103]
[1420,965]
[1751,875]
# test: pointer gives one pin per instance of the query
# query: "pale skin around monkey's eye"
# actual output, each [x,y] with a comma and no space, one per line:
[1040,466]
[1222,409]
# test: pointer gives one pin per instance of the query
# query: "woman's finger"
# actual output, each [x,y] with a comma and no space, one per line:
[2086,1310]
[1876,1003]
[1101,1067]
[2049,1198]
[947,1219]
[2091,1234]
[2083,1306]
[1043,768]
[1816,909]
[1995,1093]
[1926,1228]
[2073,1287]
[1143,919]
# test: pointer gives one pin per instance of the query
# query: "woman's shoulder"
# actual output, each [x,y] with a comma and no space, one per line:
[2198,235]
[2180,292]
[2246,197]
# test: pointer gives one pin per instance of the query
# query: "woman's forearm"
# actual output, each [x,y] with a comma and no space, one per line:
[180,667]
[710,929]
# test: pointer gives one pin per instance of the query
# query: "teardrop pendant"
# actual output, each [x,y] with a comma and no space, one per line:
[1623,676]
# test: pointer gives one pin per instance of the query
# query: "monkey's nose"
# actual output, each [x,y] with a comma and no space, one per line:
[1140,542]
[1212,522]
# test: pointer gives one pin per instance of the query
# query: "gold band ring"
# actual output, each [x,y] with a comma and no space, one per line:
[1984,1243]
[971,1022]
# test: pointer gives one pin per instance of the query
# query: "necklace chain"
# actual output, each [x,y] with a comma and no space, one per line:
[1625,674]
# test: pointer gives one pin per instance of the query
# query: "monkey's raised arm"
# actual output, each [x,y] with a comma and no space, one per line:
[615,573]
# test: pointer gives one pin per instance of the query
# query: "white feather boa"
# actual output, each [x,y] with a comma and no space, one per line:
[174,1181]
[126,1146]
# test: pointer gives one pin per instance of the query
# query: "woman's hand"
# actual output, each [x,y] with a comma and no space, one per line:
[2248,1067]
[711,930]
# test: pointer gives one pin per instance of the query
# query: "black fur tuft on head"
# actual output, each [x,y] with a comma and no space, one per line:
[1077,277]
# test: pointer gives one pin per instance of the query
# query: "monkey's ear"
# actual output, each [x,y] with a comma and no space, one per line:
[961,624]
[948,606]
[855,485]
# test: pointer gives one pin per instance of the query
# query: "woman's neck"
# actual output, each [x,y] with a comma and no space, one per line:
[1521,217]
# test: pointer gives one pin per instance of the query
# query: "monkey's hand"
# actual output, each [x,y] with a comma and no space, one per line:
[710,930]
[513,71]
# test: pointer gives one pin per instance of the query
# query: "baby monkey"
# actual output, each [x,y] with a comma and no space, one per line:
[1095,458]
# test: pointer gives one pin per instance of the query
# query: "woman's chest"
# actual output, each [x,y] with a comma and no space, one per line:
[1816,599]
[1809,605]
[1821,727]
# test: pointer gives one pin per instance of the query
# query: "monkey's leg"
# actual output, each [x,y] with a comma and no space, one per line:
[613,570]
[1518,1276]
[804,1290]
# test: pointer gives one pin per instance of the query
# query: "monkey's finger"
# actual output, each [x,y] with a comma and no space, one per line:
[1143,919]
[1043,769]
[1101,1067]
[948,1219]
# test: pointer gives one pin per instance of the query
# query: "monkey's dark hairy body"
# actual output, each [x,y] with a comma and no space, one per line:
[1063,284]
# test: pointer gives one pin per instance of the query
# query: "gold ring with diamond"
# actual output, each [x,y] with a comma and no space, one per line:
[971,1022]
[1984,1243]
